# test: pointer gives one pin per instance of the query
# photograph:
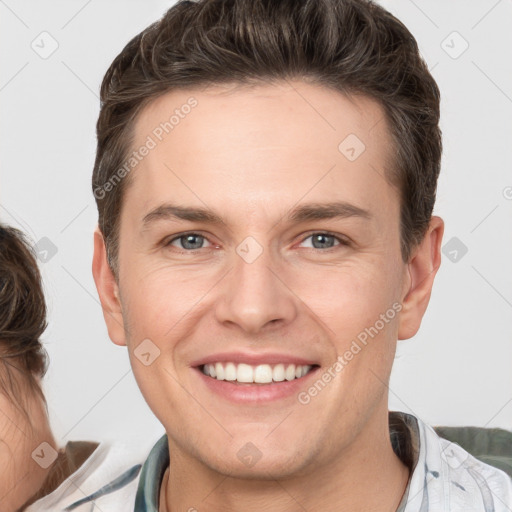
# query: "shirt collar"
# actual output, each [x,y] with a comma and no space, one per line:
[151,476]
[405,440]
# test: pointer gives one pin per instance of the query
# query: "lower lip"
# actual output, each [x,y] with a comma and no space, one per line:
[256,393]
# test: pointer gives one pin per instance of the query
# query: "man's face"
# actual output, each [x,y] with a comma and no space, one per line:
[270,285]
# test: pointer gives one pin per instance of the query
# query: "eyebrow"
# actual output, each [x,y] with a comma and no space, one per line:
[303,213]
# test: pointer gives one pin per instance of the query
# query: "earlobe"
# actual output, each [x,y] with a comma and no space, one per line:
[108,291]
[422,269]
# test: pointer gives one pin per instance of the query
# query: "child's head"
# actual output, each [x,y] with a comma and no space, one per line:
[23,416]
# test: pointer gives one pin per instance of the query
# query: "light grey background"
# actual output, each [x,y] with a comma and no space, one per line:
[456,371]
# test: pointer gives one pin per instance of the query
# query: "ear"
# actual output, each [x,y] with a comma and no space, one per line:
[422,269]
[108,291]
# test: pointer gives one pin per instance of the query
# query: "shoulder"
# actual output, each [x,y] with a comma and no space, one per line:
[109,478]
[447,477]
[472,479]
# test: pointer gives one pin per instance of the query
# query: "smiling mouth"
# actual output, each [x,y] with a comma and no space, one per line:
[256,374]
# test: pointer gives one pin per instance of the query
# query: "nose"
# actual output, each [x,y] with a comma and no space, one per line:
[254,295]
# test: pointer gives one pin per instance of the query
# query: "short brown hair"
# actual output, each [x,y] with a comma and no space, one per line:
[352,46]
[22,315]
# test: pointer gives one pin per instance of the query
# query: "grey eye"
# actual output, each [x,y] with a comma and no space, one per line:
[322,240]
[189,241]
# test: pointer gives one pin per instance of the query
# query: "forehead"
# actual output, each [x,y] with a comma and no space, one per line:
[261,146]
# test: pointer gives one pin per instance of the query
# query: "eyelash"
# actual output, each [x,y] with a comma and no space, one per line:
[342,241]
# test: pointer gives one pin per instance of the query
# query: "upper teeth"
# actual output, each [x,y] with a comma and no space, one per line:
[261,374]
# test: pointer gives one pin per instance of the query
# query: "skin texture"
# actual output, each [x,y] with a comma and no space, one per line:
[252,155]
[21,434]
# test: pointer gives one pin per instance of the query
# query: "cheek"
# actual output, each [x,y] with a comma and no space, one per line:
[149,377]
[158,306]
[348,297]
[15,447]
[155,300]
[358,306]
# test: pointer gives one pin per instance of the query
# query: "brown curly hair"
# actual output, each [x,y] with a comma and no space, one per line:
[22,315]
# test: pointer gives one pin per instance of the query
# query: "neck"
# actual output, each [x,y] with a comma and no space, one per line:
[366,476]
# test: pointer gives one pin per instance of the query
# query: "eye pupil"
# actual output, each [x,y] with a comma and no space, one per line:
[322,239]
[189,239]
